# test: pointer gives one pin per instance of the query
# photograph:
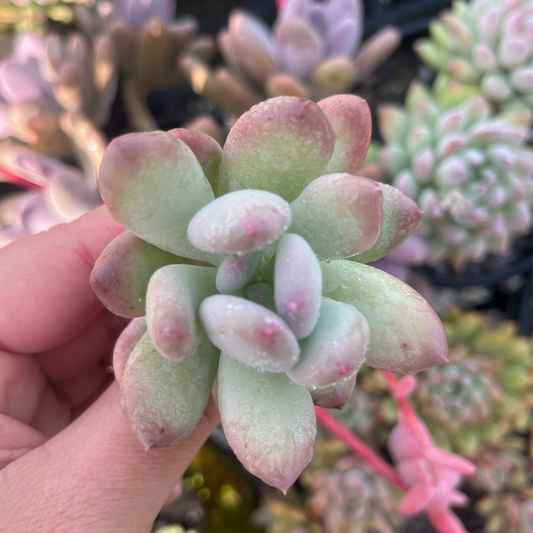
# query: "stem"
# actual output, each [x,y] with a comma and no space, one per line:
[337,428]
[139,116]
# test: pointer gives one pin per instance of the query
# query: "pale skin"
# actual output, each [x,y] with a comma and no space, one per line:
[68,460]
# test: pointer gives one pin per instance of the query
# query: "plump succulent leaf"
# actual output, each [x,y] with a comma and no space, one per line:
[163,400]
[350,118]
[206,150]
[172,302]
[236,271]
[406,335]
[335,349]
[281,144]
[400,217]
[121,274]
[339,215]
[125,345]
[249,332]
[239,222]
[269,421]
[298,284]
[153,184]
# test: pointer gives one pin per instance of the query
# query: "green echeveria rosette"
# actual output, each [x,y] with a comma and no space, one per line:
[490,376]
[282,319]
[485,44]
[468,171]
[340,495]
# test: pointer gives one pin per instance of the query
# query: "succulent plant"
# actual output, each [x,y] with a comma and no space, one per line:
[313,52]
[60,192]
[468,171]
[485,44]
[342,495]
[294,320]
[509,512]
[148,42]
[54,90]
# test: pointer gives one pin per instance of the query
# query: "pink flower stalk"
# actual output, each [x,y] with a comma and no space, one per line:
[432,474]
[359,447]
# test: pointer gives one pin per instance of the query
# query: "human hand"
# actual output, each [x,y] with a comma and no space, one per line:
[70,461]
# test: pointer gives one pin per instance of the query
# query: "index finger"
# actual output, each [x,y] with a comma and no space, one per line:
[45,295]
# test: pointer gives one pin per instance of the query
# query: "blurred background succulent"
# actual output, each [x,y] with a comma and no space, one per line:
[339,494]
[313,51]
[469,171]
[149,42]
[486,44]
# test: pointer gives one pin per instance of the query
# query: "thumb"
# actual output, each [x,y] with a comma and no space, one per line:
[95,475]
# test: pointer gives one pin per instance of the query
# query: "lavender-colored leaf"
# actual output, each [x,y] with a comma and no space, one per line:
[126,344]
[236,271]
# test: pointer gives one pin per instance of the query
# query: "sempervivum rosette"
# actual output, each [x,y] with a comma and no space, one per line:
[282,317]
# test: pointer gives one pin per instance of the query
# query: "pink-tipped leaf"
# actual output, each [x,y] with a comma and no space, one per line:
[249,332]
[269,421]
[339,215]
[172,301]
[297,284]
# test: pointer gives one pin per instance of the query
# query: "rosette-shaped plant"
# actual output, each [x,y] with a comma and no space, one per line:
[485,392]
[277,212]
[467,170]
[48,76]
[149,43]
[342,495]
[486,44]
[313,51]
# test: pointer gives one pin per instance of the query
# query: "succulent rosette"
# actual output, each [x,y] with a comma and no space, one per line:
[469,171]
[313,51]
[46,77]
[282,318]
[485,44]
[148,41]
[58,192]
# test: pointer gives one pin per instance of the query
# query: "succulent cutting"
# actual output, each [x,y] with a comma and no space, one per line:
[283,318]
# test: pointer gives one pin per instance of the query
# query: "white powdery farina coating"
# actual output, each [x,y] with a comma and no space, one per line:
[269,421]
[249,332]
[297,285]
[239,222]
[335,350]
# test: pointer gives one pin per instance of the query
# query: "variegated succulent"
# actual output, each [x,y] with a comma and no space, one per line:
[313,51]
[469,171]
[486,44]
[277,212]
